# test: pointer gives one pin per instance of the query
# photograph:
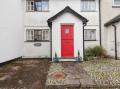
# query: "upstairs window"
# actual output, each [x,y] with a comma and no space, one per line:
[36,35]
[37,5]
[116,2]
[88,5]
[90,34]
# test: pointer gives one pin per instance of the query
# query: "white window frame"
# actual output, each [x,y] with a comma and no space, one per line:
[89,38]
[83,10]
[29,6]
[31,37]
[115,4]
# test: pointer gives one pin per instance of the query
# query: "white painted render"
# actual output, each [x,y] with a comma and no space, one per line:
[56,34]
[11,29]
[31,51]
[108,12]
[39,20]
[110,48]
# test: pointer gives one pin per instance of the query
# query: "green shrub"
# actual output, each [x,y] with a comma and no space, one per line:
[96,51]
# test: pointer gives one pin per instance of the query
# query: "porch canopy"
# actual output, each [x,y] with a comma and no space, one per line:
[67,9]
[112,21]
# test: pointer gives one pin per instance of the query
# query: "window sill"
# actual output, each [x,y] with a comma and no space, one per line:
[116,6]
[38,11]
[90,40]
[88,11]
[38,41]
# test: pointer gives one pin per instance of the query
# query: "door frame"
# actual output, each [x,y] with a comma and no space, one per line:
[73,38]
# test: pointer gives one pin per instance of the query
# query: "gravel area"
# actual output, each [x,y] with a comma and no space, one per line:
[105,72]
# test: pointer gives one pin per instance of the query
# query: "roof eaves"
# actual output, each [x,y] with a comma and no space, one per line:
[112,21]
[67,9]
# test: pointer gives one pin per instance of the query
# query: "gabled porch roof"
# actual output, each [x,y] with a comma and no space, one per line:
[67,9]
[112,21]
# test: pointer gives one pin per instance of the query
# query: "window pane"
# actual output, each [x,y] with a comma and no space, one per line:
[45,35]
[30,35]
[38,5]
[117,2]
[90,34]
[88,5]
[45,5]
[37,35]
[30,5]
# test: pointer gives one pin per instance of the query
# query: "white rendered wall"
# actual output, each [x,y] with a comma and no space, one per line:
[55,6]
[110,48]
[11,29]
[108,12]
[31,51]
[56,34]
[39,20]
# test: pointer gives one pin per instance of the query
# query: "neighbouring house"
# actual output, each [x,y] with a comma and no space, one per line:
[110,25]
[11,29]
[62,28]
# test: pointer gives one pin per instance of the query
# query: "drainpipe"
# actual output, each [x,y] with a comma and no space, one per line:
[100,22]
[84,24]
[51,40]
[115,36]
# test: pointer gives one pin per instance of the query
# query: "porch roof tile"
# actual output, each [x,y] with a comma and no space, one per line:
[67,9]
[112,21]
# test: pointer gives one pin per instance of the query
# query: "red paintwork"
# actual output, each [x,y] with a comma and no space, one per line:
[67,41]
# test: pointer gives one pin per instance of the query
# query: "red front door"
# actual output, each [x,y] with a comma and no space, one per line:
[67,41]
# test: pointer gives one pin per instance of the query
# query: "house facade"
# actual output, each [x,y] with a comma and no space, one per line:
[110,11]
[58,28]
[64,37]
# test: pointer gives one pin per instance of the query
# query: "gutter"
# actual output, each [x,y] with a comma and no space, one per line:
[115,36]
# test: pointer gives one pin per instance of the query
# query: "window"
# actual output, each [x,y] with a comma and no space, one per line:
[90,34]
[88,5]
[37,35]
[37,5]
[116,2]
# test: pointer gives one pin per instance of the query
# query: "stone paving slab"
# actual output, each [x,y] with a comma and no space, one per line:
[75,76]
[72,82]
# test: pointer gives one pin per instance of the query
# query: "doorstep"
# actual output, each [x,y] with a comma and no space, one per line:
[68,59]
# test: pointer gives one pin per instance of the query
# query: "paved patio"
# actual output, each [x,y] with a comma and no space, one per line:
[24,74]
[68,74]
[34,74]
[95,74]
